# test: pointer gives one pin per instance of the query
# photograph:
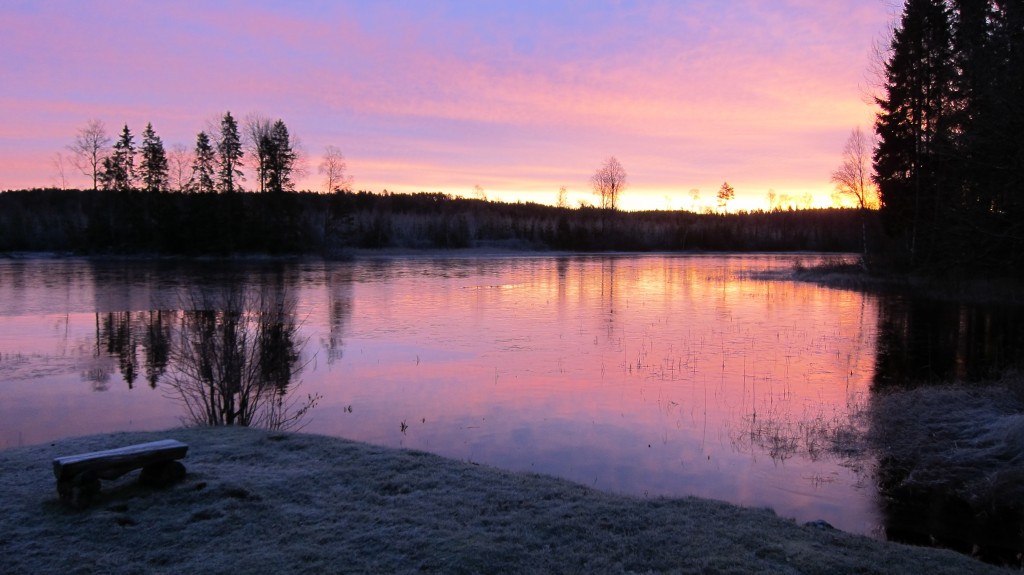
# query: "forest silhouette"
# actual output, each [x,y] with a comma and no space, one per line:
[135,222]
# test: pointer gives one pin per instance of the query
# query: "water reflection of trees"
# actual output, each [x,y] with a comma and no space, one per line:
[609,279]
[231,355]
[237,352]
[339,310]
[156,344]
[120,335]
[927,341]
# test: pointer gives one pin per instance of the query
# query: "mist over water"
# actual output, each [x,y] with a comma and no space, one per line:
[649,375]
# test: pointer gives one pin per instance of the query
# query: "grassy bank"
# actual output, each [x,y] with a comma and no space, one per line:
[261,502]
[845,274]
[951,465]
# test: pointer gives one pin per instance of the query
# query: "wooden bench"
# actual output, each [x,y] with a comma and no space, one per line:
[78,476]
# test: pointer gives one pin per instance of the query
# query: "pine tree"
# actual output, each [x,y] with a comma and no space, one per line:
[916,128]
[279,158]
[153,169]
[119,167]
[229,153]
[1007,125]
[726,194]
[203,166]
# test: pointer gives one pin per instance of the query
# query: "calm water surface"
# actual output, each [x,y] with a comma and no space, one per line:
[649,375]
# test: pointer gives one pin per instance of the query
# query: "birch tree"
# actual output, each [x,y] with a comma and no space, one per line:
[89,150]
[608,182]
[333,168]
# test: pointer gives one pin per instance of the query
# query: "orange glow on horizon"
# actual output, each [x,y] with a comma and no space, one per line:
[631,200]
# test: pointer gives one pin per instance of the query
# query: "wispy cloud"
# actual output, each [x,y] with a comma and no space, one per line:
[420,94]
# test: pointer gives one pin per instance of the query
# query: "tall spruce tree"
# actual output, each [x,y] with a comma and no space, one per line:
[916,129]
[978,122]
[1007,129]
[153,167]
[950,157]
[203,166]
[119,167]
[279,158]
[229,155]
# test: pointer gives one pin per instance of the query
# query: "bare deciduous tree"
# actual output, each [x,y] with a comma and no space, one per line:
[563,197]
[785,202]
[179,160]
[60,179]
[333,168]
[479,192]
[694,200]
[853,178]
[300,159]
[806,201]
[255,134]
[89,150]
[608,182]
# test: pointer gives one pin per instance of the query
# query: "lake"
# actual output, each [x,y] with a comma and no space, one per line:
[706,375]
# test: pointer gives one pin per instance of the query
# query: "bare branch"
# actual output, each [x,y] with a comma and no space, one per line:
[853,176]
[333,168]
[89,150]
[59,172]
[179,160]
[563,197]
[608,182]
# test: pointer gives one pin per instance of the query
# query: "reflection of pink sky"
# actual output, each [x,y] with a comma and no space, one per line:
[632,374]
[636,376]
[43,365]
[441,97]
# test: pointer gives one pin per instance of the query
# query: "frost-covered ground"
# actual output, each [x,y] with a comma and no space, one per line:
[262,502]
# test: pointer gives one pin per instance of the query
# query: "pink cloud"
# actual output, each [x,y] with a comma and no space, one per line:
[686,94]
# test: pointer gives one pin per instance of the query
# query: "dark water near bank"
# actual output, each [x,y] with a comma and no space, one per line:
[923,341]
[650,375]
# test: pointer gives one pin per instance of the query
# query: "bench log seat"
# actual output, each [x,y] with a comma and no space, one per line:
[78,476]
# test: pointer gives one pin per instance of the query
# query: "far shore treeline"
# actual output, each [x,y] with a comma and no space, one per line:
[135,222]
[138,204]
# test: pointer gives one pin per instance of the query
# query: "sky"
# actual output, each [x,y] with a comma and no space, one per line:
[519,98]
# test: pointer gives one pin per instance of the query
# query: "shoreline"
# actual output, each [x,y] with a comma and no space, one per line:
[993,291]
[264,501]
[406,252]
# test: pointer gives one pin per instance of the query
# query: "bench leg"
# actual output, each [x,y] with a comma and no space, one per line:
[162,474]
[79,491]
